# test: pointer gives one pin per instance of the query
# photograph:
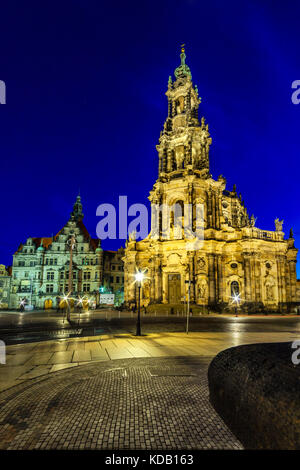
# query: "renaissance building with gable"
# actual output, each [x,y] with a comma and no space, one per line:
[40,271]
[235,259]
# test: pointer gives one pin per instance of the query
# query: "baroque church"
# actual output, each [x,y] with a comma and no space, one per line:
[40,271]
[236,263]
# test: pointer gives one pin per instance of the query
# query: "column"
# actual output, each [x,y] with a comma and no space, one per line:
[211,279]
[293,280]
[164,288]
[247,277]
[220,278]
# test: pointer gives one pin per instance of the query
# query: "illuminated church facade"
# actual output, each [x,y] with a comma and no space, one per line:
[235,259]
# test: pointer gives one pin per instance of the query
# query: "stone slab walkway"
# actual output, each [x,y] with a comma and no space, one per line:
[27,361]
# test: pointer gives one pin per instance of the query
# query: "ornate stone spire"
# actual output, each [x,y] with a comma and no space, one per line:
[183,70]
[184,141]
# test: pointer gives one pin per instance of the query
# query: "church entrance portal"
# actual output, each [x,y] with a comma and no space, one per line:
[174,289]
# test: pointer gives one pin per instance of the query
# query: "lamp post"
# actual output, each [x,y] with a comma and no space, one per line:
[139,276]
[189,282]
[236,300]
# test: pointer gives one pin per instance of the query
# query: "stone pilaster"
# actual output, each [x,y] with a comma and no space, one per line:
[247,277]
[211,279]
[164,287]
[220,277]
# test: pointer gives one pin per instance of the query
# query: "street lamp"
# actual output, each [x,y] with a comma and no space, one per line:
[139,276]
[236,298]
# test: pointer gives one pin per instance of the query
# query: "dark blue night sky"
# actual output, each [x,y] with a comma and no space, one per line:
[86,84]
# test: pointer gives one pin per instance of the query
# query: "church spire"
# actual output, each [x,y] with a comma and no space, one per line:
[184,141]
[77,209]
[183,70]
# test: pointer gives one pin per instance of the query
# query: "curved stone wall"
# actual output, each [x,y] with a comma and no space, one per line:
[256,390]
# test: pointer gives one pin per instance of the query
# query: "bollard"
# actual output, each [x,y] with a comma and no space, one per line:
[2,352]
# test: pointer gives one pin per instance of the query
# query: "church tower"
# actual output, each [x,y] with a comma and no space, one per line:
[77,209]
[184,143]
[233,260]
[183,154]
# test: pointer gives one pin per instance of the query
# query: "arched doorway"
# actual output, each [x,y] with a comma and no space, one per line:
[234,289]
[174,288]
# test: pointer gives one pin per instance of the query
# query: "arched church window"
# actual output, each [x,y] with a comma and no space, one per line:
[234,288]
[180,105]
[179,209]
[176,213]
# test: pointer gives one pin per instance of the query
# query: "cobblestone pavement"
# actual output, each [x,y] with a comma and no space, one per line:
[146,403]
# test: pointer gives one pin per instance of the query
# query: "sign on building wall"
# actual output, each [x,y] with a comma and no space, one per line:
[107,299]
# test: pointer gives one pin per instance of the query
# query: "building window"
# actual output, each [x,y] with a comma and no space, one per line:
[50,276]
[234,288]
[55,261]
[113,267]
[87,275]
[86,287]
[49,288]
[111,279]
[51,261]
[117,280]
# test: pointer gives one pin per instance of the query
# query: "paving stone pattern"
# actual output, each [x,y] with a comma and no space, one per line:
[147,403]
